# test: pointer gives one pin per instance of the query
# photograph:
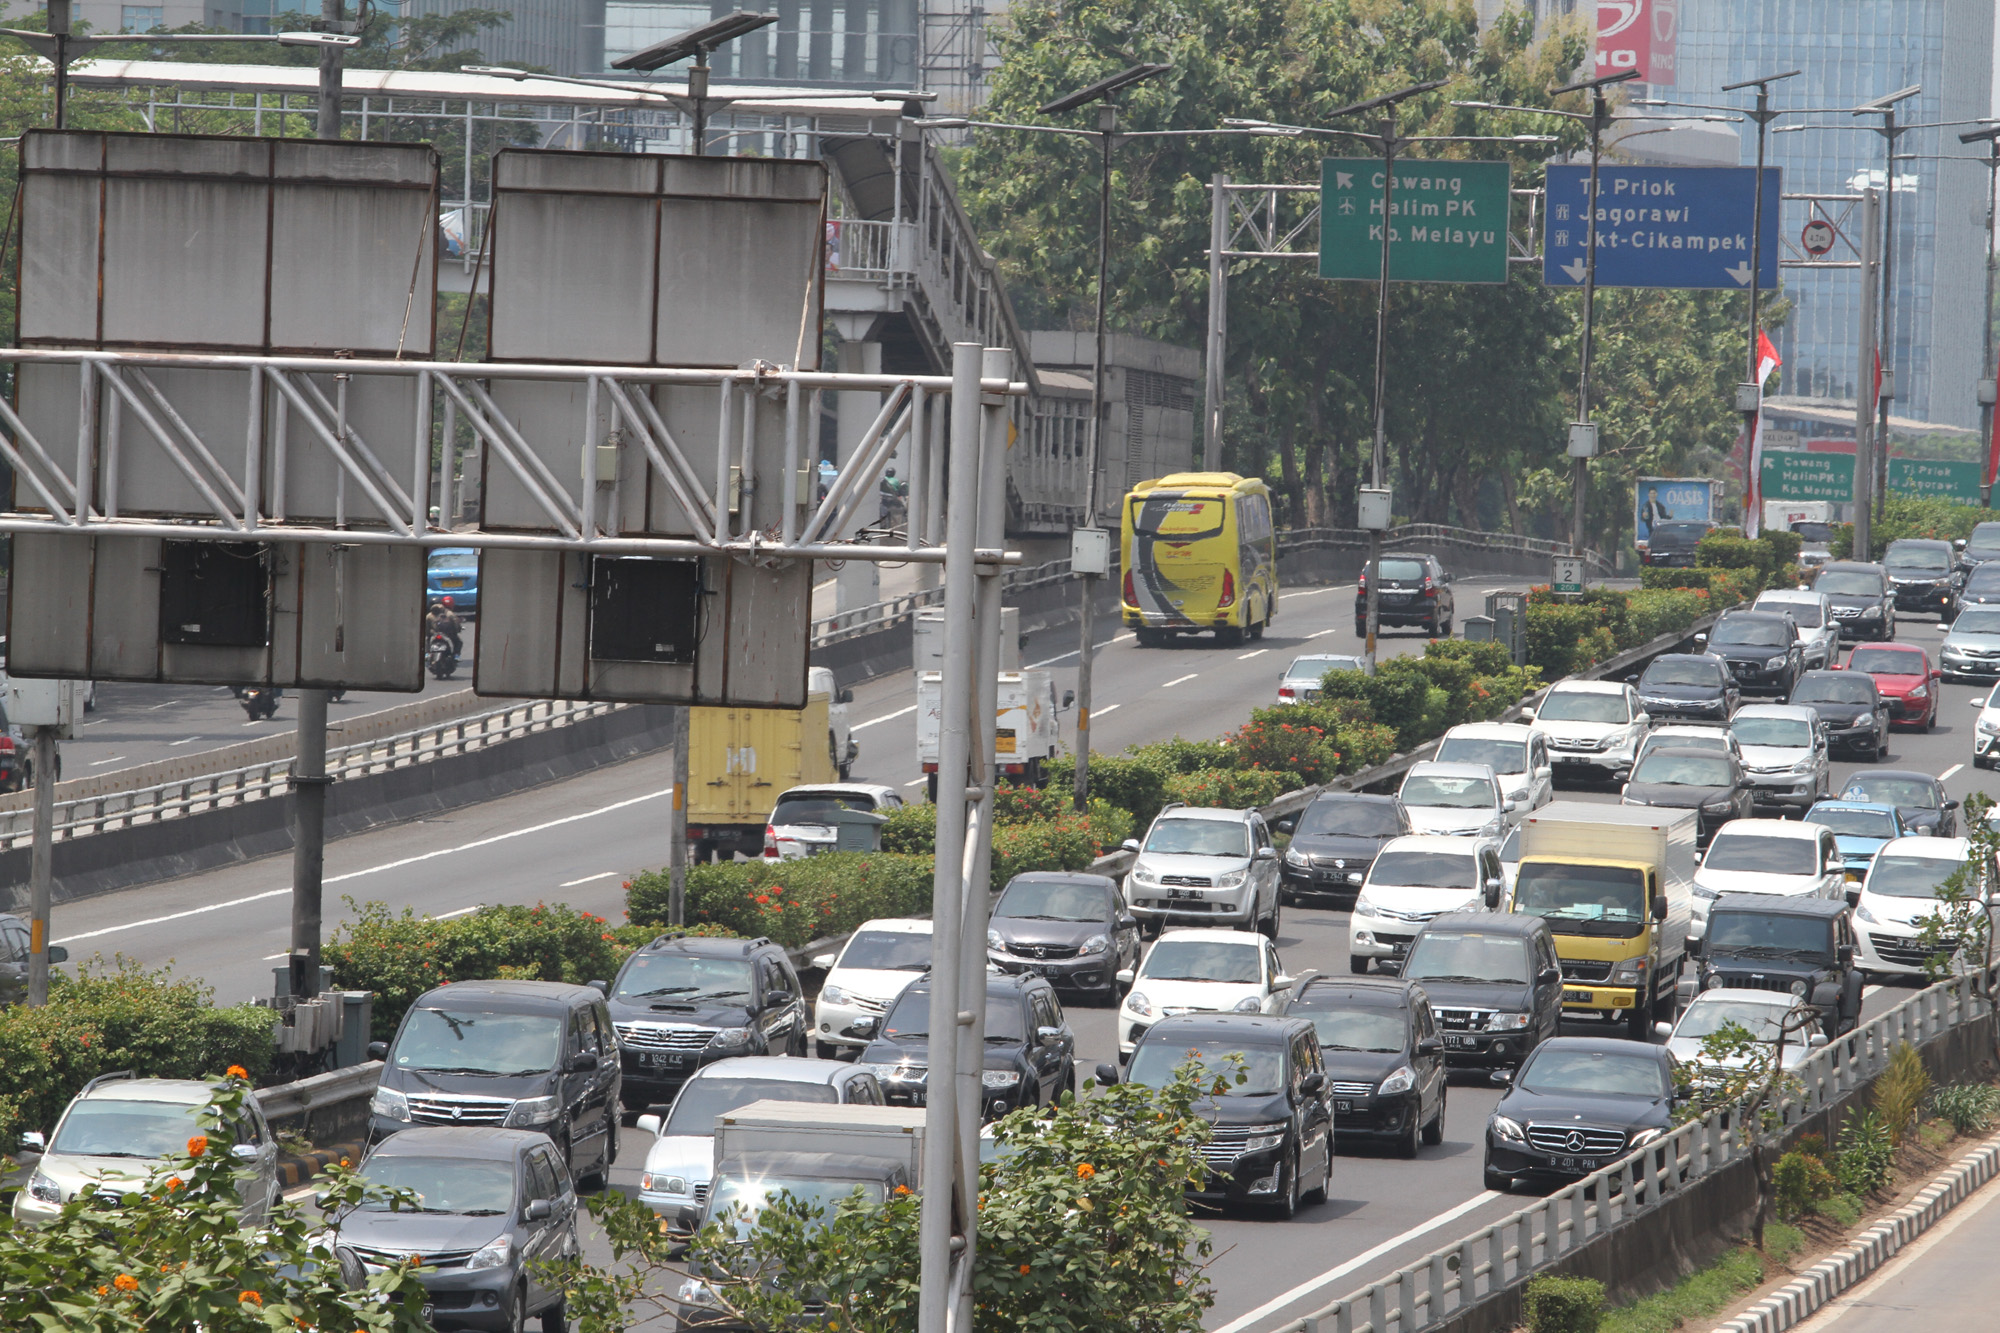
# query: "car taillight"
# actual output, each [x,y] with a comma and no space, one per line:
[1228,597]
[1131,597]
[1284,693]
[1429,588]
[6,744]
[770,843]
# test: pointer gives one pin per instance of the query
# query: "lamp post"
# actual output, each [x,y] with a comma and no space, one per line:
[696,43]
[1991,138]
[1885,107]
[1751,394]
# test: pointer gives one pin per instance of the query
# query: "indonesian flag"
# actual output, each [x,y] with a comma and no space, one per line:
[1992,445]
[1768,360]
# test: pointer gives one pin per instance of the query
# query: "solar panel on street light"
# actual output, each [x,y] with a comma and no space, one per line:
[696,41]
[1103,88]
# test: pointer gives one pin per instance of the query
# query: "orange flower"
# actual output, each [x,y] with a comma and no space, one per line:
[1084,1170]
[106,1291]
[343,1161]
[197,1145]
[237,1071]
[248,1298]
[125,1282]
[173,1182]
[902,1190]
[1024,1270]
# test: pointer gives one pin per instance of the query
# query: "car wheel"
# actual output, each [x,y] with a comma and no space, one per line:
[1360,629]
[1271,922]
[1288,1203]
[1321,1192]
[635,1103]
[555,1319]
[825,1050]
[1497,1181]
[1434,1131]
[1229,636]
[1406,1142]
[795,1044]
[516,1314]
[1358,965]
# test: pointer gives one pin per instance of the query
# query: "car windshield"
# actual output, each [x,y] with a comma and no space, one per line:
[910,1017]
[1742,632]
[1887,661]
[1678,532]
[1202,960]
[1984,537]
[1331,815]
[107,1127]
[1580,706]
[1199,837]
[1762,855]
[817,807]
[1707,1016]
[460,1186]
[1370,1028]
[1557,1070]
[887,951]
[1985,577]
[1814,533]
[1682,671]
[751,1197]
[1671,769]
[701,1100]
[1582,899]
[1173,517]
[1045,901]
[1849,583]
[1926,559]
[1154,1063]
[1448,792]
[1425,870]
[1470,955]
[1709,739]
[1855,823]
[1312,670]
[1502,756]
[1403,571]
[1919,792]
[1909,876]
[457,562]
[1793,733]
[1771,934]
[1834,688]
[1978,620]
[451,1041]
[677,978]
[1804,612]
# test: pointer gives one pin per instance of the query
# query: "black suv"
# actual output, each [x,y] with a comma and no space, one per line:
[1864,603]
[1711,783]
[1851,708]
[1334,841]
[1578,1104]
[1925,575]
[1271,1133]
[1778,942]
[1693,685]
[1030,1050]
[684,1001]
[1672,545]
[1415,591]
[1384,1058]
[1760,648]
[1494,982]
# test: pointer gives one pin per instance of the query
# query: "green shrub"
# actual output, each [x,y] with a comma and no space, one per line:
[1363,745]
[1969,1108]
[1069,843]
[1653,613]
[1867,1154]
[1843,1209]
[793,902]
[1660,576]
[1840,542]
[1276,742]
[1231,788]
[911,830]
[1179,756]
[1395,699]
[1719,550]
[1563,640]
[1802,1182]
[1135,782]
[1900,1090]
[1563,1304]
[1784,543]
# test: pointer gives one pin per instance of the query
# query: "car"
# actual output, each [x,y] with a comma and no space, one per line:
[1713,785]
[1594,727]
[1687,685]
[1413,880]
[682,1001]
[1384,1058]
[1789,944]
[864,978]
[1066,925]
[679,1164]
[1978,546]
[1863,601]
[1030,1049]
[1766,1015]
[1692,736]
[1334,841]
[115,1131]
[1981,588]
[1759,648]
[1850,709]
[17,756]
[1918,797]
[1462,800]
[538,1055]
[1200,971]
[498,1212]
[1812,620]
[14,949]
[1301,682]
[1860,827]
[802,823]
[1779,856]
[1815,543]
[1270,1137]
[1899,892]
[1415,590]
[1206,866]
[1578,1104]
[1493,981]
[453,571]
[1906,678]
[1971,648]
[1517,754]
[1672,545]
[1925,576]
[1986,729]
[1783,749]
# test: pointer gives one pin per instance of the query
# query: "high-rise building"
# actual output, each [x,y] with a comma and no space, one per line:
[559,36]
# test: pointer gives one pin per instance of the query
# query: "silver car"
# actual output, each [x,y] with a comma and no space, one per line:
[1457,800]
[1785,756]
[1812,615]
[1205,867]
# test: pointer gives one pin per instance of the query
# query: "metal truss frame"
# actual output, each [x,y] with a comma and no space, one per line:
[1832,209]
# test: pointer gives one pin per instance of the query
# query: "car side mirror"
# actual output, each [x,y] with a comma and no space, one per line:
[1503,1078]
[1694,946]
[1107,1075]
[1288,825]
[1977,704]
[1815,1041]
[539,1210]
[1126,921]
[1527,715]
[825,961]
[1548,976]
[648,1124]
[1129,845]
[1429,1046]
[378,1050]
[1266,854]
[1069,699]
[1283,982]
[1125,976]
[243,1152]
[58,954]
[777,997]
[583,1063]
[1844,955]
[1312,1082]
[846,695]
[1951,805]
[1663,1030]
[602,988]
[1632,679]
[1701,638]
[1049,1036]
[1545,772]
[1507,807]
[1659,907]
[35,1139]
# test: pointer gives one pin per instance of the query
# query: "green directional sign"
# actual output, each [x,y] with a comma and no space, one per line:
[1447,223]
[1788,475]
[1934,479]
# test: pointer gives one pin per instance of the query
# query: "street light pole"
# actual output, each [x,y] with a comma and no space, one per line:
[1986,384]
[1885,339]
[1763,115]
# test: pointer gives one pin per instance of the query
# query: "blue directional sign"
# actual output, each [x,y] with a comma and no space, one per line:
[1660,227]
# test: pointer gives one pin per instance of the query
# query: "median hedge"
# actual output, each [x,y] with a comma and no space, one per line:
[1906,516]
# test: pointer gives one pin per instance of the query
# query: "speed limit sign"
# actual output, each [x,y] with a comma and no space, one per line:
[1817,237]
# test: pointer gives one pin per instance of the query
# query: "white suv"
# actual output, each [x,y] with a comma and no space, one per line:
[1414,879]
[1594,727]
[1517,754]
[1780,856]
[802,823]
[1901,890]
[1200,971]
[879,960]
[1208,867]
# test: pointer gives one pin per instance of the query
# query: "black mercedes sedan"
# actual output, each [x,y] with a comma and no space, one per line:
[1334,841]
[1760,648]
[1712,784]
[1578,1104]
[1068,926]
[1384,1058]
[1687,685]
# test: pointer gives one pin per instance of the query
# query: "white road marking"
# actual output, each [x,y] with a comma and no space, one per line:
[189,741]
[1108,708]
[463,911]
[1310,592]
[1179,680]
[1121,638]
[1322,633]
[886,717]
[1256,652]
[587,879]
[169,704]
[274,957]
[1867,991]
[917,782]
[100,763]
[398,864]
[1063,657]
[1332,1275]
[1946,775]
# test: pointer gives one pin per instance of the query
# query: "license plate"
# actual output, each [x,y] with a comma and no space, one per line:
[1343,1106]
[451,583]
[1044,969]
[1179,894]
[662,1059]
[1571,759]
[1583,1166]
[1579,996]
[1455,1042]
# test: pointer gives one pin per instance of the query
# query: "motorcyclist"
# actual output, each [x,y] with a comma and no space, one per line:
[441,619]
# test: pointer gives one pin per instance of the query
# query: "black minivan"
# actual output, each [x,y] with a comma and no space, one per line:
[1493,981]
[1384,1058]
[538,1055]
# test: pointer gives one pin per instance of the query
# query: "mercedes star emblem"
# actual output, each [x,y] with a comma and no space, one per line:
[1575,1141]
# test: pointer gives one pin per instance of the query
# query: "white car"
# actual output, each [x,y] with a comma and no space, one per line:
[1200,971]
[1784,752]
[1517,754]
[1201,865]
[1780,856]
[1901,889]
[1413,880]
[802,822]
[1761,1011]
[1812,617]
[1459,800]
[1594,727]
[1986,729]
[1301,681]
[879,959]
[1690,736]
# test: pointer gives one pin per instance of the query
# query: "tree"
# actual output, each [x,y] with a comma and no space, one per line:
[1743,1075]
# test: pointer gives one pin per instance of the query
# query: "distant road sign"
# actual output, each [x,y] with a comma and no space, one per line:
[1935,479]
[1818,237]
[1569,574]
[1450,222]
[1808,476]
[1660,227]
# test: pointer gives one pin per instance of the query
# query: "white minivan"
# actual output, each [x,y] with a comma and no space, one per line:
[1900,891]
[1767,856]
[1413,880]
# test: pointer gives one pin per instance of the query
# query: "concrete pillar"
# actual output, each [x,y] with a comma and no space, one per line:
[859,583]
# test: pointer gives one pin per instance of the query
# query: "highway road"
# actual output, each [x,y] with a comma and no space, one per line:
[575,841]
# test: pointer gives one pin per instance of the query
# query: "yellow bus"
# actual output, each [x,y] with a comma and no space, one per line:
[1199,552]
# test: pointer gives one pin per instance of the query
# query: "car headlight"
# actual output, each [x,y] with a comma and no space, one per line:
[1989,728]
[693,1292]
[1773,663]
[835,995]
[1711,981]
[531,1111]
[1798,988]
[1721,807]
[1866,915]
[1095,944]
[1921,692]
[1706,894]
[999,1078]
[1295,857]
[1645,1136]
[390,1104]
[1505,1128]
[495,1255]
[1141,875]
[1139,1004]
[1803,766]
[1629,973]
[730,1039]
[1267,1136]
[43,1189]
[1249,1004]
[663,1184]
[1401,1079]
[1362,907]
[1871,613]
[1231,879]
[993,941]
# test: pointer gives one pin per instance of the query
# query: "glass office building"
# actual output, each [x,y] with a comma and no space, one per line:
[839,43]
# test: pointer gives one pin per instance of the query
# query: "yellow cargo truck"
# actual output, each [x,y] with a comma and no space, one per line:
[1616,885]
[740,759]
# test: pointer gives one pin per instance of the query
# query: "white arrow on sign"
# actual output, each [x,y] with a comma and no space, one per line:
[1575,269]
[1343,180]
[1741,273]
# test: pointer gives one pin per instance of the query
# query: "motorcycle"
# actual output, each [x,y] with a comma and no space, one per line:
[259,701]
[440,658]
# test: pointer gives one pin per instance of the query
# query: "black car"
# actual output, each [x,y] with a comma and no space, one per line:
[1030,1050]
[1918,797]
[1783,942]
[1269,1134]
[1415,590]
[1068,926]
[1493,982]
[1760,648]
[1982,585]
[497,1206]
[1850,706]
[685,1001]
[1334,841]
[1578,1104]
[537,1055]
[1384,1058]
[1925,575]
[1687,685]
[1979,546]
[1711,783]
[1863,601]
[14,941]
[1672,545]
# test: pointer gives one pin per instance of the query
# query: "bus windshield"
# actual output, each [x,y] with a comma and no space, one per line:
[1175,517]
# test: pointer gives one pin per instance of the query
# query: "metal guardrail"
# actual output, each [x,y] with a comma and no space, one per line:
[885,614]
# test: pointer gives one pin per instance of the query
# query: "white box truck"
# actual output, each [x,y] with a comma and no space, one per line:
[1025,731]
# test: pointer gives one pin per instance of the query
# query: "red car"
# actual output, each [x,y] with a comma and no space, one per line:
[1904,674]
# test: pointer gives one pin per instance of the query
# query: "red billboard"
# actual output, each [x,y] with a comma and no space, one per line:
[1638,34]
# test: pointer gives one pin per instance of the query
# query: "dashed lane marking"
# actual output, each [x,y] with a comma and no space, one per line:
[1177,680]
[587,879]
[886,717]
[1257,652]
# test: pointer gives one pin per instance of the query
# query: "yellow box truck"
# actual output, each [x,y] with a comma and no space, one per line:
[740,759]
